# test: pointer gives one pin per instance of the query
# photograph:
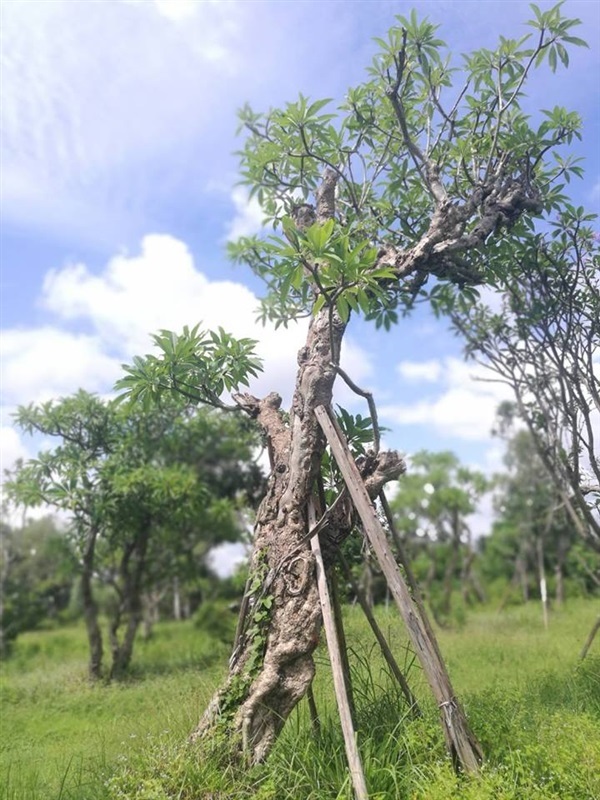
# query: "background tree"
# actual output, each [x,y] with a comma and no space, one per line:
[528,504]
[543,343]
[68,478]
[431,510]
[533,541]
[136,508]
[37,576]
[422,173]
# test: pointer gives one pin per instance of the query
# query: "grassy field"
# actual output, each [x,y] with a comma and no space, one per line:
[533,707]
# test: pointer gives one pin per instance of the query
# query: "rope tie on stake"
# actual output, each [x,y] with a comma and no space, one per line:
[450,702]
[448,708]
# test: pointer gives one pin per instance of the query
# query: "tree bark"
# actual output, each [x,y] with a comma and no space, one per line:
[559,594]
[521,566]
[451,565]
[470,583]
[130,606]
[151,610]
[176,599]
[90,609]
[559,573]
[542,581]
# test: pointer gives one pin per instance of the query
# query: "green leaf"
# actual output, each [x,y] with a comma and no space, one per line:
[342,308]
[318,304]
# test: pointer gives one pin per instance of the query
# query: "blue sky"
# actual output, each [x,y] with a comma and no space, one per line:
[119,190]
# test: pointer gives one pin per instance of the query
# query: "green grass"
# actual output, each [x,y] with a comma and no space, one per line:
[534,708]
[56,724]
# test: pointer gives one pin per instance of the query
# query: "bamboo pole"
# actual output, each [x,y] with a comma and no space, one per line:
[415,591]
[462,744]
[357,774]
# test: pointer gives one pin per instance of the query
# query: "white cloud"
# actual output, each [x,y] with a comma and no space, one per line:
[132,297]
[224,558]
[420,370]
[465,408]
[11,448]
[177,10]
[136,295]
[42,363]
[248,217]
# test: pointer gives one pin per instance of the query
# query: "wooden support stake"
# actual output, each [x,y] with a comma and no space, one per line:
[357,774]
[590,639]
[463,747]
[415,591]
[385,649]
[315,722]
[341,636]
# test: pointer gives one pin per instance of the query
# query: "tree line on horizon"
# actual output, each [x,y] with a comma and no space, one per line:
[187,512]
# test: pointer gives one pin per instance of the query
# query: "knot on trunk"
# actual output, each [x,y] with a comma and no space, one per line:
[378,470]
[303,215]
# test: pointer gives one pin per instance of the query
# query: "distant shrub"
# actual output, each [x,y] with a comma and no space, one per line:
[216,620]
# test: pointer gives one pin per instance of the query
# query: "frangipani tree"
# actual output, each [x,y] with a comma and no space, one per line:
[416,187]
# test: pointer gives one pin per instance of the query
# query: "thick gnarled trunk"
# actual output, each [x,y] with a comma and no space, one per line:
[272,666]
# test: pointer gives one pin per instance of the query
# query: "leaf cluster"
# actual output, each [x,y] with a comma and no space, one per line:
[421,132]
[196,365]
